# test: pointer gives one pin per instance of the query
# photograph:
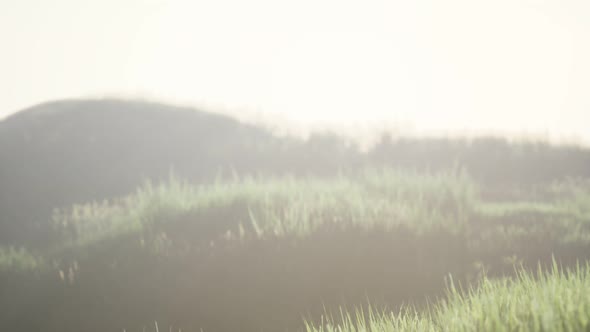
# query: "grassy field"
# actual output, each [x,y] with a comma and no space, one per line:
[261,253]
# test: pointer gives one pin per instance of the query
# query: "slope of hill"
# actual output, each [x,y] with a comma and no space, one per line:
[66,152]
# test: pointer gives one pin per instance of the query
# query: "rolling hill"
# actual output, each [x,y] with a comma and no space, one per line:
[61,153]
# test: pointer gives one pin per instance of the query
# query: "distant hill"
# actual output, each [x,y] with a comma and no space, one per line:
[65,152]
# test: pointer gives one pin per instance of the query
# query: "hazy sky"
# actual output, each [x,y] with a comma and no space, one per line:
[519,66]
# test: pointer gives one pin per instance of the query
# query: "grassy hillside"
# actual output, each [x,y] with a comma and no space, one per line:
[62,153]
[70,152]
[115,214]
[262,252]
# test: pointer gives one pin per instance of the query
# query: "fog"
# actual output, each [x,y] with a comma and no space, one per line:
[502,67]
[143,186]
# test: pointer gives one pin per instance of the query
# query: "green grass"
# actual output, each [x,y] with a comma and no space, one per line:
[284,206]
[556,300]
[195,253]
[382,199]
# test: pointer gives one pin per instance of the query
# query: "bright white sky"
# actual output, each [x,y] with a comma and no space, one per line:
[510,66]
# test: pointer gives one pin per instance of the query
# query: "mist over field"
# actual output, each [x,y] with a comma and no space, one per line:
[317,166]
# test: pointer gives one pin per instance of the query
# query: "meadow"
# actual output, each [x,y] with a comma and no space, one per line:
[276,253]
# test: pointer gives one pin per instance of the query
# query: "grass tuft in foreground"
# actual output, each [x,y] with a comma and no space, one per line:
[555,300]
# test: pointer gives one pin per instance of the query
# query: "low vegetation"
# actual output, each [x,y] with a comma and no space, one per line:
[381,199]
[554,300]
[260,253]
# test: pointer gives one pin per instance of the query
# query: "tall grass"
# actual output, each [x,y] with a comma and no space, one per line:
[556,300]
[382,198]
[297,206]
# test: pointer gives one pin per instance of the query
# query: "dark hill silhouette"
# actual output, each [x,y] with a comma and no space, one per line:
[65,152]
